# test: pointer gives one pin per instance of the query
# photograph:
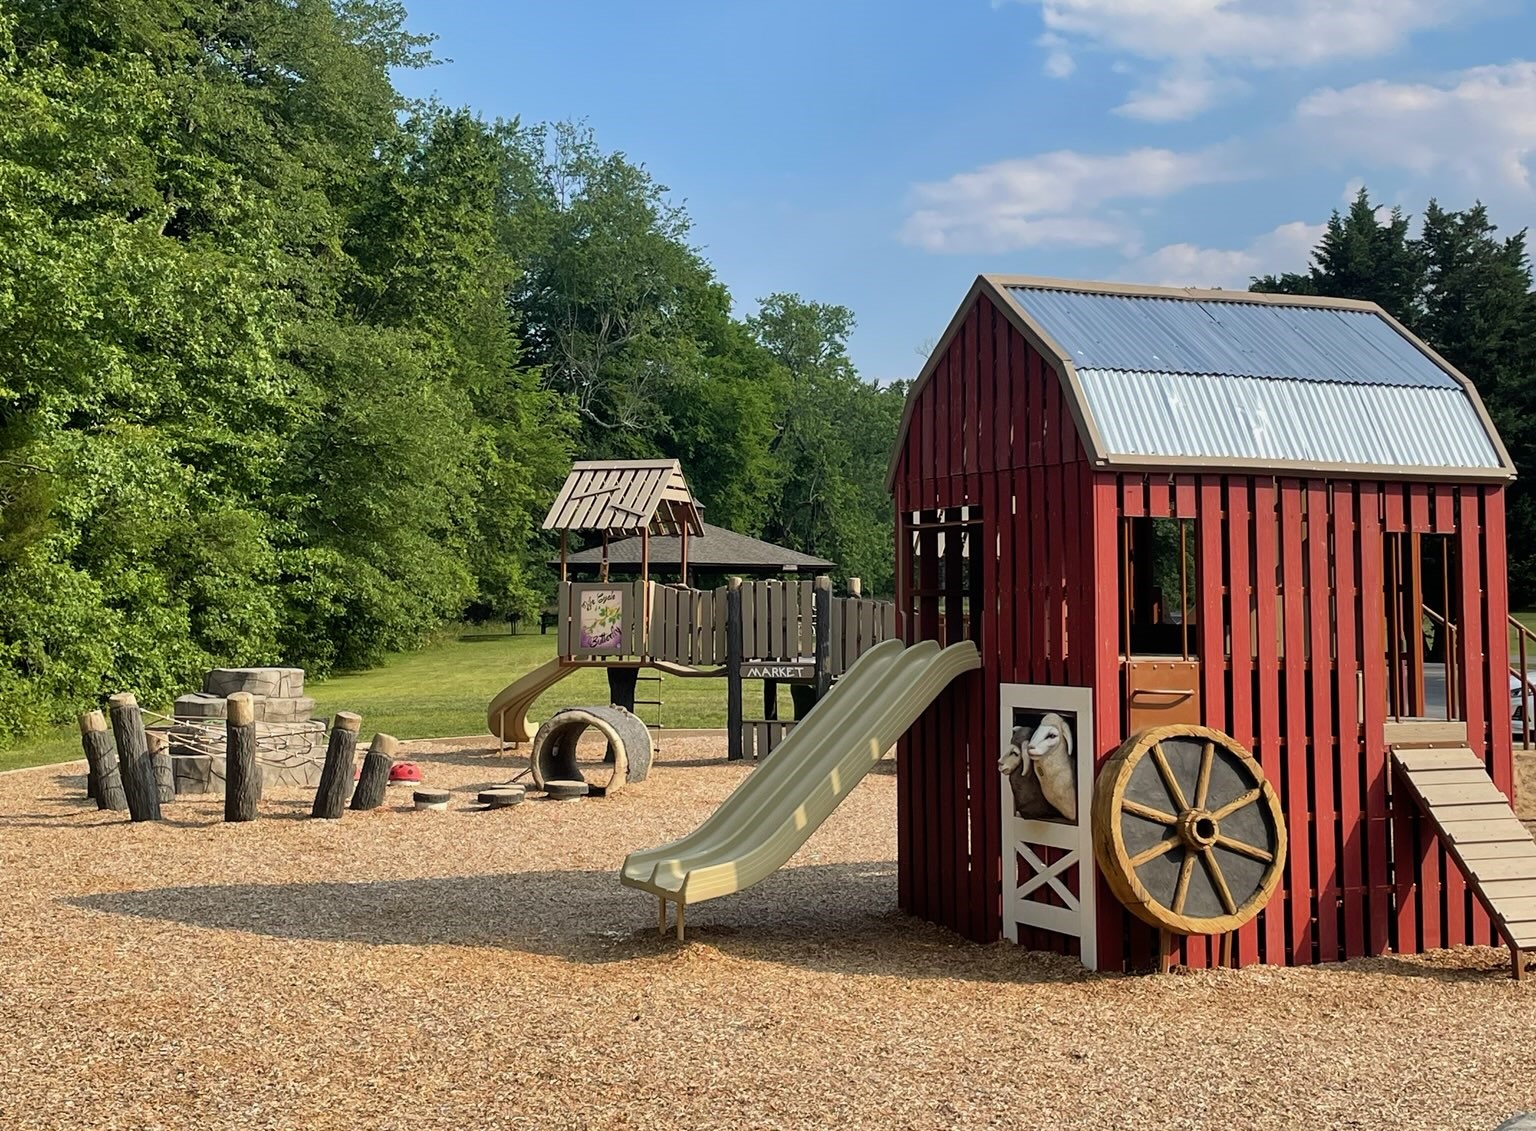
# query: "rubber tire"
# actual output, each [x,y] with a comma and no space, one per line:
[503,798]
[566,790]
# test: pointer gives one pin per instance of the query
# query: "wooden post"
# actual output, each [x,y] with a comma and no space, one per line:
[735,752]
[242,776]
[603,569]
[138,775]
[565,541]
[340,757]
[855,587]
[374,779]
[682,570]
[645,588]
[823,598]
[160,759]
[102,758]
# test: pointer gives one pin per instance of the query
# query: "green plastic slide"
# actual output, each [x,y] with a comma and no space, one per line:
[771,814]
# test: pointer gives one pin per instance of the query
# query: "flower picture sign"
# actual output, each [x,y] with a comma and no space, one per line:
[600,620]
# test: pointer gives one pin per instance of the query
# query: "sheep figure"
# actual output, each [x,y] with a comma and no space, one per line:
[1028,801]
[1050,756]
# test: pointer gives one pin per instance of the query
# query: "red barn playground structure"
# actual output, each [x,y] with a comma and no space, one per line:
[1260,523]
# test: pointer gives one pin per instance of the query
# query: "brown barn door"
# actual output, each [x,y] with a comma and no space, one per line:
[1158,636]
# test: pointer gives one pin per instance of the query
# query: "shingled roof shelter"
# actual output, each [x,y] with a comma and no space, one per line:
[716,550]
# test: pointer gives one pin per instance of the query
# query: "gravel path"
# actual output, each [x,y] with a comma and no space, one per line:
[475,970]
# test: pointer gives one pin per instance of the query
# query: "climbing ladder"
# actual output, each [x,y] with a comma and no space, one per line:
[1480,831]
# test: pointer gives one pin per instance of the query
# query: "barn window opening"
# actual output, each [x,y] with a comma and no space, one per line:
[1159,587]
[944,579]
[1422,612]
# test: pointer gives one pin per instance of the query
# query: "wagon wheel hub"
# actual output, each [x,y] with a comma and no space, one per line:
[1187,831]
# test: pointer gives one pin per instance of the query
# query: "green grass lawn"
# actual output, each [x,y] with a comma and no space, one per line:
[442,691]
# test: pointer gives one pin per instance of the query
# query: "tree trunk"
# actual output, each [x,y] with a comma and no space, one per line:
[374,779]
[340,756]
[102,758]
[160,759]
[133,764]
[242,776]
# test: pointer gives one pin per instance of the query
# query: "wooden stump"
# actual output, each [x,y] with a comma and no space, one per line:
[336,777]
[101,756]
[431,798]
[374,779]
[133,764]
[160,760]
[242,776]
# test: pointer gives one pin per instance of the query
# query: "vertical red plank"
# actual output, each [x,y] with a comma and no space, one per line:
[1295,765]
[986,812]
[1005,633]
[1266,597]
[959,377]
[1351,811]
[1106,690]
[1184,500]
[1496,601]
[944,464]
[1055,573]
[977,335]
[924,415]
[1034,436]
[1159,500]
[1018,383]
[1239,539]
[1040,614]
[1050,417]
[1133,495]
[1418,508]
[1210,580]
[1020,582]
[1475,680]
[1002,408]
[1393,508]
[1373,658]
[1324,753]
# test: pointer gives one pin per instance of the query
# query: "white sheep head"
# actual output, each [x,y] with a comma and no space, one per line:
[1012,760]
[1050,737]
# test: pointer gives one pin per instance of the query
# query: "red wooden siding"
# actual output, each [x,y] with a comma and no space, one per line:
[1291,635]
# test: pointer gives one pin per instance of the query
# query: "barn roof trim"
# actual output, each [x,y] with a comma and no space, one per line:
[1169,378]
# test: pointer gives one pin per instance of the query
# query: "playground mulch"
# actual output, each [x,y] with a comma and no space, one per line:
[476,970]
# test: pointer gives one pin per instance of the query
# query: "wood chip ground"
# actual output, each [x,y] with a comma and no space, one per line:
[484,969]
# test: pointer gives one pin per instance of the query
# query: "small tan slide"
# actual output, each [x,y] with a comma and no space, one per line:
[507,716]
[771,814]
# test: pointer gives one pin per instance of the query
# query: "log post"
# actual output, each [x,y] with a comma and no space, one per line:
[822,595]
[855,587]
[133,764]
[735,750]
[102,758]
[374,779]
[336,777]
[242,776]
[160,760]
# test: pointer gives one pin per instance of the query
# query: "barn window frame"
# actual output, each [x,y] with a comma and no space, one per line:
[1138,577]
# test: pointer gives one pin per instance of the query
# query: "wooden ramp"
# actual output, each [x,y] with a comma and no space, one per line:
[1480,831]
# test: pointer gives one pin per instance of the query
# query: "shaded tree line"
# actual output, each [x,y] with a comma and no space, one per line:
[1468,292]
[292,365]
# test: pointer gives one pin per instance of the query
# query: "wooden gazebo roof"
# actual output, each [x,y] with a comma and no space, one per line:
[626,498]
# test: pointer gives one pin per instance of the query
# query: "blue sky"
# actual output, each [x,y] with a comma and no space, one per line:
[881,153]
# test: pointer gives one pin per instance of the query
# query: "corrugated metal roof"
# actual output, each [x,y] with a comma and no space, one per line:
[625,497]
[1257,418]
[1249,339]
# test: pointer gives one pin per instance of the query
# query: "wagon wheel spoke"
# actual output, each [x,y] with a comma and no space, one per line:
[1243,849]
[1203,785]
[1170,783]
[1218,881]
[1161,848]
[1240,803]
[1147,813]
[1181,892]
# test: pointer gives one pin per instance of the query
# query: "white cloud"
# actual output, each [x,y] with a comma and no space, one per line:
[1286,248]
[1479,128]
[1059,63]
[1053,199]
[1180,92]
[1187,38]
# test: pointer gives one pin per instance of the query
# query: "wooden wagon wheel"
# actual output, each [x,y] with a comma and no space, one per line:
[1187,832]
